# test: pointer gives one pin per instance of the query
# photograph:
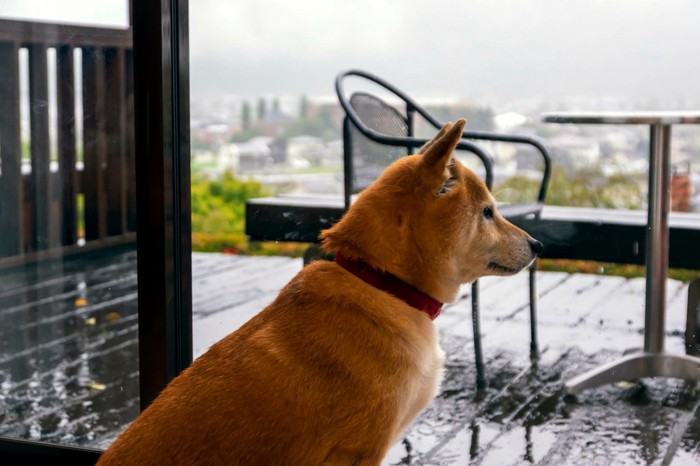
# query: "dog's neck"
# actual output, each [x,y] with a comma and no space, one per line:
[391,284]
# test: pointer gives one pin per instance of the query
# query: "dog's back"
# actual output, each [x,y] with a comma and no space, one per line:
[307,380]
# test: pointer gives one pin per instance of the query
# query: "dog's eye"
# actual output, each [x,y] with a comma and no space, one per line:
[488,212]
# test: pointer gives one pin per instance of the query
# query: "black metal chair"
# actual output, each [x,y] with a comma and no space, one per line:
[375,133]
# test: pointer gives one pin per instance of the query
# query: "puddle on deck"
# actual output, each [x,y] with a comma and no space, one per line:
[523,417]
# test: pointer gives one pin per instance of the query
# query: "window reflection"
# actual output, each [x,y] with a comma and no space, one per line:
[68,298]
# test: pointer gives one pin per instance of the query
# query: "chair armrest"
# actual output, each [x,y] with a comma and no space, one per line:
[412,106]
[516,211]
[411,142]
[518,139]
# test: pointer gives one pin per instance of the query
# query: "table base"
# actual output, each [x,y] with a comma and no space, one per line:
[635,366]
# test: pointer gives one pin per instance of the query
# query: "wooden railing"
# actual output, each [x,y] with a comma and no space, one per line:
[40,212]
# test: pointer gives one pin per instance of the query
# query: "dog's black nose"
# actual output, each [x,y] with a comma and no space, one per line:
[536,246]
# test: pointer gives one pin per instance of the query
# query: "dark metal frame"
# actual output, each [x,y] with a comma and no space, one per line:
[163,188]
[161,71]
[352,119]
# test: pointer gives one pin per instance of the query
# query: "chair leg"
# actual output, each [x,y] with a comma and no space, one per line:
[478,354]
[692,322]
[534,347]
[313,253]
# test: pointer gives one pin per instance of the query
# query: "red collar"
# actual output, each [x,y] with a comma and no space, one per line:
[391,284]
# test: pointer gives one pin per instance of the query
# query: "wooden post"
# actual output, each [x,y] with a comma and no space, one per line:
[94,143]
[39,197]
[114,125]
[11,185]
[692,322]
[65,103]
[130,145]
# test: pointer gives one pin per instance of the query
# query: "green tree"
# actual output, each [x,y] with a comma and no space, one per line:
[246,135]
[583,188]
[246,119]
[304,106]
[321,126]
[262,109]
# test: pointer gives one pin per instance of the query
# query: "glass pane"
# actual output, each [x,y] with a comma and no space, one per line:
[68,298]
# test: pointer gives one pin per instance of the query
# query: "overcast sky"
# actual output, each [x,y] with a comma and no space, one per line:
[481,49]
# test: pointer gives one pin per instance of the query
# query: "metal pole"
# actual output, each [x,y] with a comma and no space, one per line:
[657,236]
[478,353]
[534,350]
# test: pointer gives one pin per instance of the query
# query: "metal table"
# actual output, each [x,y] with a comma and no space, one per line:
[652,361]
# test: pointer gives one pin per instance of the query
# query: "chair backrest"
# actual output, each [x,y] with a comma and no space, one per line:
[365,159]
[375,134]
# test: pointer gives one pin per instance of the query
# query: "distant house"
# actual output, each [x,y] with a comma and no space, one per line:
[228,158]
[507,122]
[274,123]
[305,151]
[243,157]
[695,189]
[575,151]
[334,153]
[278,151]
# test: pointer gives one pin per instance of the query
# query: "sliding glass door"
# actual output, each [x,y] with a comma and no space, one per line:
[95,251]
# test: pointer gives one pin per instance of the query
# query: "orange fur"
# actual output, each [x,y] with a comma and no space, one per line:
[334,370]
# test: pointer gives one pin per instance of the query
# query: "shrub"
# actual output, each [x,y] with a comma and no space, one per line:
[218,218]
[218,205]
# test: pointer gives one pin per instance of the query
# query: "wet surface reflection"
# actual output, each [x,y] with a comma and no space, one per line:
[522,416]
[69,363]
[69,349]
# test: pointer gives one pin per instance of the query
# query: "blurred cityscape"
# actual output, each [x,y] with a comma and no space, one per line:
[294,145]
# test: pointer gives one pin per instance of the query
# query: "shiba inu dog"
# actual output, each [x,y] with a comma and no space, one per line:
[338,366]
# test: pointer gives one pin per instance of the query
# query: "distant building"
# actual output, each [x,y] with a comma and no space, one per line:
[681,187]
[274,123]
[305,151]
[622,163]
[333,154]
[507,122]
[243,157]
[228,158]
[575,151]
[694,188]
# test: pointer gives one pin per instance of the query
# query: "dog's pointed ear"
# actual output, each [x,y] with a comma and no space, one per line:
[438,151]
[440,134]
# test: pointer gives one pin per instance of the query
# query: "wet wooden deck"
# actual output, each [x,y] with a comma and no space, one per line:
[69,365]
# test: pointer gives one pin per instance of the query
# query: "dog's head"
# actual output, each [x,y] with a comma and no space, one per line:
[433,223]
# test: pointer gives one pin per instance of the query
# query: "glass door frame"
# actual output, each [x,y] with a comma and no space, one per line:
[161,105]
